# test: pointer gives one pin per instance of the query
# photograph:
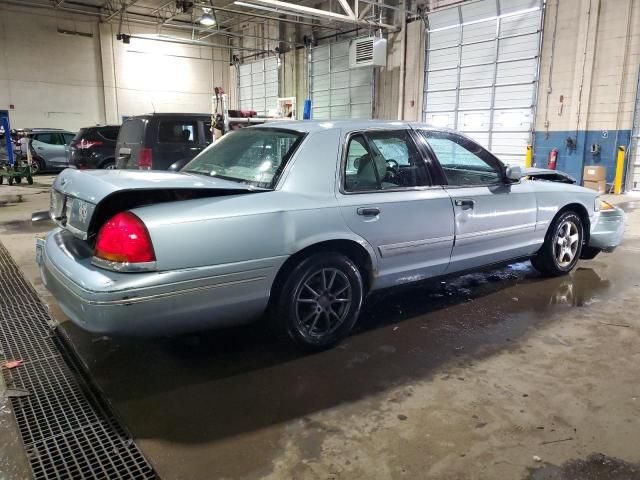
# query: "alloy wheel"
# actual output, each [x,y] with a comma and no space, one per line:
[323,301]
[566,243]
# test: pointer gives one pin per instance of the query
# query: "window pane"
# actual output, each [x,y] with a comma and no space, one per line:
[68,137]
[399,162]
[110,133]
[462,160]
[178,132]
[132,131]
[254,156]
[360,170]
[49,138]
[208,135]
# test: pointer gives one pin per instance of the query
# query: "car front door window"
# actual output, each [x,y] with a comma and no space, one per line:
[384,160]
[464,163]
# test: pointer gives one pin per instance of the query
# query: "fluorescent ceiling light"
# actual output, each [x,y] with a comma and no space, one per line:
[207,18]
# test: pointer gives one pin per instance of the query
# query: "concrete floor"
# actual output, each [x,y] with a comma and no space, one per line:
[493,375]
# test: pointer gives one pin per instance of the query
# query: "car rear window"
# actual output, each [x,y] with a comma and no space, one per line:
[254,156]
[109,133]
[178,131]
[82,133]
[132,131]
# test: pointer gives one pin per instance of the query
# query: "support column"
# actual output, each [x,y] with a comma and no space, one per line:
[109,84]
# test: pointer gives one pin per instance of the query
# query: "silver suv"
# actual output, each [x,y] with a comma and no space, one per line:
[50,148]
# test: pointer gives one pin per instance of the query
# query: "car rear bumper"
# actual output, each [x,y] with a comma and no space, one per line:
[153,303]
[607,229]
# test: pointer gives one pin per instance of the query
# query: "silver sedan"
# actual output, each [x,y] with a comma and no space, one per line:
[301,221]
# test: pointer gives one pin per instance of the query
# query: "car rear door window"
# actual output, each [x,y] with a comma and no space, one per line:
[464,162]
[177,131]
[49,138]
[384,160]
[68,137]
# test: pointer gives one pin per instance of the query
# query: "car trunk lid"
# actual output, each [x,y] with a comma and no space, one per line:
[82,200]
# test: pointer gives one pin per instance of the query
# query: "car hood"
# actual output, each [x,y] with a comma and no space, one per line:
[547,174]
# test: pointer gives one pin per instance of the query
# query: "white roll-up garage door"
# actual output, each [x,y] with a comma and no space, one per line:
[259,86]
[481,73]
[337,91]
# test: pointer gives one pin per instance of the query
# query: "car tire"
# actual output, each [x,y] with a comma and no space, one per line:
[320,301]
[110,165]
[36,166]
[562,246]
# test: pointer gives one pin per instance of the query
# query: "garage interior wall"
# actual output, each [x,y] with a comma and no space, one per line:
[70,81]
[588,82]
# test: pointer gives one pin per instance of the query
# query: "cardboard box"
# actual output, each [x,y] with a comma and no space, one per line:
[594,173]
[600,185]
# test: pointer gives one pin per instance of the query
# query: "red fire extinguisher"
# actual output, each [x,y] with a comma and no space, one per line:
[553,158]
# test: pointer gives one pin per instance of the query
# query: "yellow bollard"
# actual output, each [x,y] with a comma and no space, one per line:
[617,183]
[528,159]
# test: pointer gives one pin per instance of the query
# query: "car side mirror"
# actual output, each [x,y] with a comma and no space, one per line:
[513,173]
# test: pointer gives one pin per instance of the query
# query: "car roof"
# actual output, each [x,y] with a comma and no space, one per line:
[46,130]
[319,125]
[163,114]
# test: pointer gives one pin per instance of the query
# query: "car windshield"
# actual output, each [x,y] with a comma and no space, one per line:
[253,156]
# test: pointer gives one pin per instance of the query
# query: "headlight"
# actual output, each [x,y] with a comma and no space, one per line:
[601,205]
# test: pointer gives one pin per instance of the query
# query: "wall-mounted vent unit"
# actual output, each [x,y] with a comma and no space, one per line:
[368,52]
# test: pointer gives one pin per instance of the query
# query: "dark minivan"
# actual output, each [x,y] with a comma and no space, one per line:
[95,147]
[156,141]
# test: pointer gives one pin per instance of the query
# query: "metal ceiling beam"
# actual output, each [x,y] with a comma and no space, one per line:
[269,17]
[320,13]
[122,10]
[164,5]
[347,8]
[186,41]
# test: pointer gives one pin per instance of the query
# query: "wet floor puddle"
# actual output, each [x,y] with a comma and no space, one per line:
[595,467]
[26,226]
[9,200]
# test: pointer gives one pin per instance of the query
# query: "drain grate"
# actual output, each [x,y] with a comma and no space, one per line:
[67,430]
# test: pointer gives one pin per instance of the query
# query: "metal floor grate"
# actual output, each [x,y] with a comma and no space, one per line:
[67,430]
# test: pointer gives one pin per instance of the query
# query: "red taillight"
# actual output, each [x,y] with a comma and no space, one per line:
[83,144]
[125,239]
[145,158]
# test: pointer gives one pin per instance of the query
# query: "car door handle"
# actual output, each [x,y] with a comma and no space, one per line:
[368,211]
[40,148]
[465,203]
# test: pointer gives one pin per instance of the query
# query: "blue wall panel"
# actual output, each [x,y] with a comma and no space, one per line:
[574,161]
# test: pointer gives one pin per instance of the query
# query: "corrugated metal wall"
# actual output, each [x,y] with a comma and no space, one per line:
[482,70]
[337,91]
[259,86]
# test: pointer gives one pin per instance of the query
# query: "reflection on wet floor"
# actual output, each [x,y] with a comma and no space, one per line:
[26,226]
[8,200]
[596,466]
[240,380]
